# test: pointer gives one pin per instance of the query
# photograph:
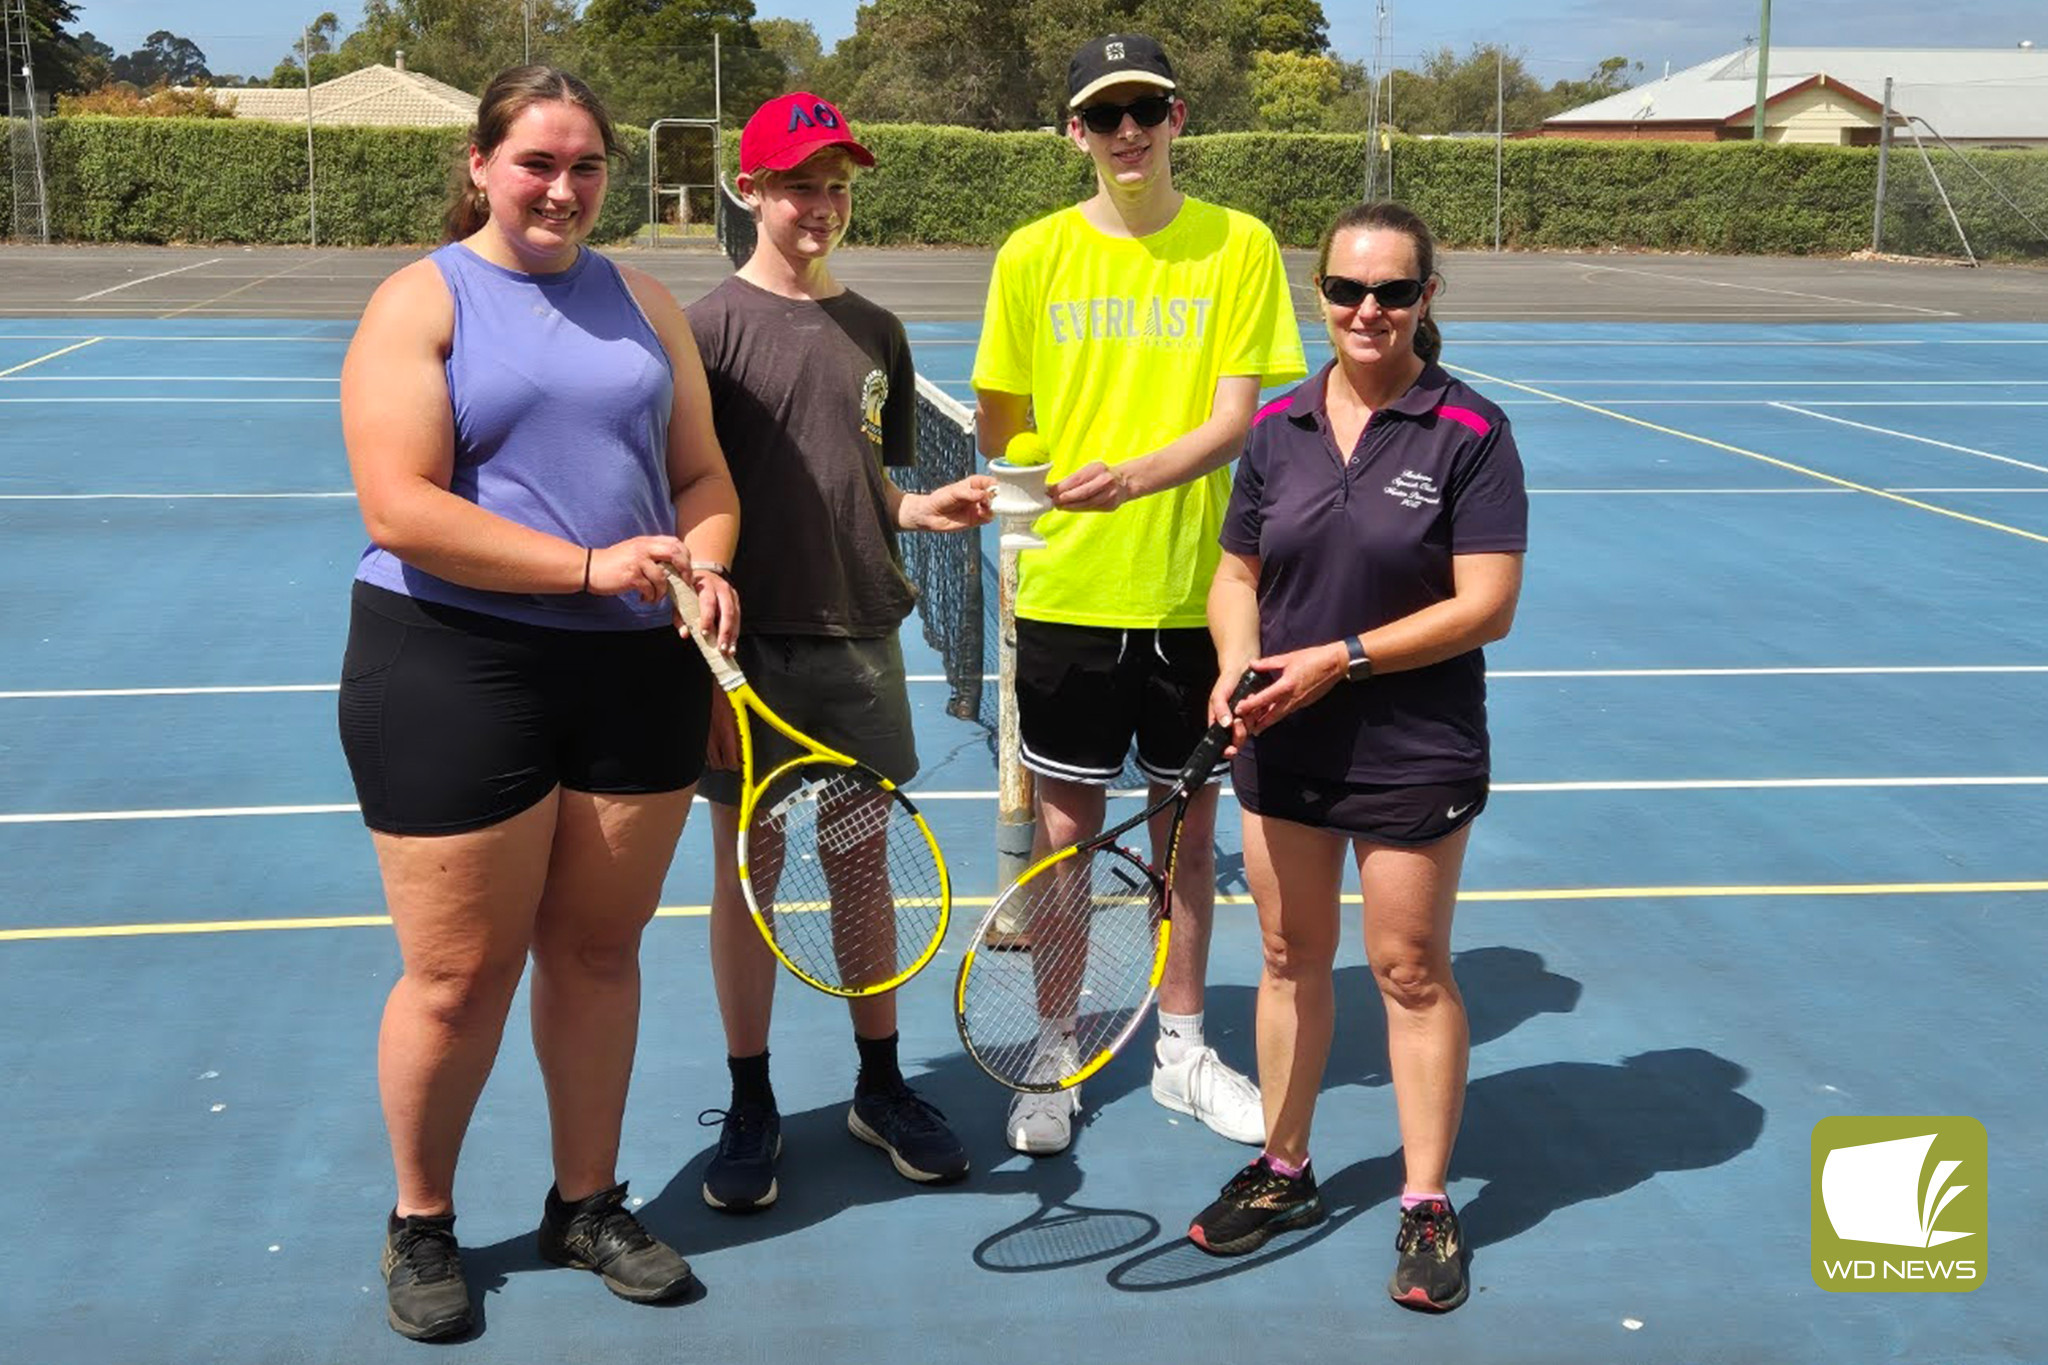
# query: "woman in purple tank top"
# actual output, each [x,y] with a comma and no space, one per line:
[531,441]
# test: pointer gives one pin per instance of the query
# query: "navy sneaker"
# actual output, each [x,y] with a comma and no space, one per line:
[1431,1272]
[741,1176]
[428,1298]
[598,1234]
[911,1130]
[1257,1203]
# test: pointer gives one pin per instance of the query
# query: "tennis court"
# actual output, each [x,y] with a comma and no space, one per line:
[1767,846]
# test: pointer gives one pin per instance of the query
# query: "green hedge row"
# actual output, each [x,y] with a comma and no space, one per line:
[166,180]
[229,180]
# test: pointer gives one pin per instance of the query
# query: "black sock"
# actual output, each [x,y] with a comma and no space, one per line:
[877,1064]
[750,1079]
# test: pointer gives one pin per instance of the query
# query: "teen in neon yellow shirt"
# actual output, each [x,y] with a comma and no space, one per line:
[1120,343]
[1135,331]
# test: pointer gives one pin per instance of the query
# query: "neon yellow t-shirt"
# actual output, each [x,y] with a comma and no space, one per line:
[1119,343]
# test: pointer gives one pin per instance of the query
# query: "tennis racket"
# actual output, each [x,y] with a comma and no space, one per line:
[841,873]
[1098,919]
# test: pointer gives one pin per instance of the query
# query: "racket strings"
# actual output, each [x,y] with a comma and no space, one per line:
[1092,924]
[844,877]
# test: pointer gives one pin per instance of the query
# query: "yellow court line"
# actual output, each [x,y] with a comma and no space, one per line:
[75,346]
[208,303]
[1755,455]
[1578,893]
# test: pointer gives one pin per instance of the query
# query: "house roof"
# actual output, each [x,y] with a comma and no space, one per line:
[1963,92]
[374,94]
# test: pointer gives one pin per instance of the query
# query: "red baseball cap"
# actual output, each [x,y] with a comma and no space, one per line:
[789,129]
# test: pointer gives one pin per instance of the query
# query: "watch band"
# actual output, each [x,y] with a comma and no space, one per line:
[710,566]
[1359,667]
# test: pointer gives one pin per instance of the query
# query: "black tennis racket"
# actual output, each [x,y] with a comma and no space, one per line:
[1099,918]
[842,874]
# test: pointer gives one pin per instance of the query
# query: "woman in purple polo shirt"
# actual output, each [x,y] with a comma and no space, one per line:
[532,447]
[1373,543]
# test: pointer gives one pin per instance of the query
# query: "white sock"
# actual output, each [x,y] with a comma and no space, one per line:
[1179,1034]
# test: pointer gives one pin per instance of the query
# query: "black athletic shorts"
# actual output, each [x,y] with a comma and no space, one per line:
[1407,814]
[1085,692]
[453,720]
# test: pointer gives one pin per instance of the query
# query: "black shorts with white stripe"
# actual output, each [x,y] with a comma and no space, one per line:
[1085,693]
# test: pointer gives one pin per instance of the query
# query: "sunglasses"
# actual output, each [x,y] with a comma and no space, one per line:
[1346,292]
[1149,112]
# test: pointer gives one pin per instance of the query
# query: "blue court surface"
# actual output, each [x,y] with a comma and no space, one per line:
[1769,843]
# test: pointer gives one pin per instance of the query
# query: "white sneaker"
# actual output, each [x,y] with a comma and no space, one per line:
[1201,1085]
[1041,1124]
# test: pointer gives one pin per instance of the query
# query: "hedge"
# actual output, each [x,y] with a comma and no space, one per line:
[224,180]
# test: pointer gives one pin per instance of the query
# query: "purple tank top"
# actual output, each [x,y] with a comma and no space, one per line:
[562,396]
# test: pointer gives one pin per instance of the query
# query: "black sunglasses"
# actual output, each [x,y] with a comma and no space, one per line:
[1346,292]
[1149,112]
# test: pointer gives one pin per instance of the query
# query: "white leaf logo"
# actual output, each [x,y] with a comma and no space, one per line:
[1871,1193]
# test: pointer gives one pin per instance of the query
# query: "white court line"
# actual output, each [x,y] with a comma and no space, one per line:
[161,497]
[82,298]
[1822,477]
[1824,670]
[1765,289]
[1926,403]
[243,288]
[1909,436]
[17,369]
[74,817]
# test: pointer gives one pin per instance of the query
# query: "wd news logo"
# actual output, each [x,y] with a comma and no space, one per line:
[1899,1205]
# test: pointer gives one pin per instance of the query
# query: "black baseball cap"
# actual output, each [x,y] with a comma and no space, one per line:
[1114,59]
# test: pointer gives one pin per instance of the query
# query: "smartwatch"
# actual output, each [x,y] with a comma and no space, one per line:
[1359,667]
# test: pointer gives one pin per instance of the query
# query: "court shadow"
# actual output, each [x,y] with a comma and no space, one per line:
[825,1170]
[490,1268]
[1543,1138]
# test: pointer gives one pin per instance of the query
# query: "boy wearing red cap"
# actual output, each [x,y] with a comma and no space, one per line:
[812,395]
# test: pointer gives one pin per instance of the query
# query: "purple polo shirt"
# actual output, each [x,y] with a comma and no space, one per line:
[1346,547]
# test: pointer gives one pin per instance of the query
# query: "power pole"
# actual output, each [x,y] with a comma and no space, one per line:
[1763,73]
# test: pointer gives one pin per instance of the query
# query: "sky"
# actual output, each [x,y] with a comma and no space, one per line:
[1560,39]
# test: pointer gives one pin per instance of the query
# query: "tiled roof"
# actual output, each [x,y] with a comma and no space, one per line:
[1964,92]
[375,94]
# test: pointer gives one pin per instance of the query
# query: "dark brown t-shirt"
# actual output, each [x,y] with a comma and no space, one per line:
[811,400]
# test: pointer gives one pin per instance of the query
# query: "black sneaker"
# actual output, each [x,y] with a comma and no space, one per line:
[1257,1203]
[598,1234]
[741,1176]
[429,1299]
[911,1130]
[1431,1272]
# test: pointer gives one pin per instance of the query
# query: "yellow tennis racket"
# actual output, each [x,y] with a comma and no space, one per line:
[1097,918]
[843,876]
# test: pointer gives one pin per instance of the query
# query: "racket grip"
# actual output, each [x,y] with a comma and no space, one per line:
[685,597]
[1203,760]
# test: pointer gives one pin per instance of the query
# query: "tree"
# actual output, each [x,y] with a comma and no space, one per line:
[652,59]
[1294,93]
[95,66]
[1611,77]
[163,59]
[1453,96]
[794,43]
[462,42]
[315,47]
[58,64]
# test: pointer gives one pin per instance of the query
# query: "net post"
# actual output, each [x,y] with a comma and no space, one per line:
[1015,827]
[1021,498]
[1884,153]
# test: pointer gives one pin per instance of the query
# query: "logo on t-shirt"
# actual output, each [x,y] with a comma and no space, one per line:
[1411,489]
[1162,323]
[874,392]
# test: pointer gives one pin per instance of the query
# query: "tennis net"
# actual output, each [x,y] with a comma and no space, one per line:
[946,568]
